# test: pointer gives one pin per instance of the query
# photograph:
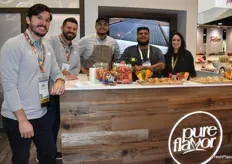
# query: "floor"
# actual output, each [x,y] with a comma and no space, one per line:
[5,152]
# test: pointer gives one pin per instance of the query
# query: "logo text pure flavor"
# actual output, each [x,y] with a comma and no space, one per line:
[193,140]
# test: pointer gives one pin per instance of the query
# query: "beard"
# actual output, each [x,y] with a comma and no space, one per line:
[33,29]
[142,43]
[102,31]
[69,37]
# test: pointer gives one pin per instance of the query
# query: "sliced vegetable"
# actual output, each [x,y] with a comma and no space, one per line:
[139,75]
[148,74]
[227,75]
[143,73]
[130,76]
[186,75]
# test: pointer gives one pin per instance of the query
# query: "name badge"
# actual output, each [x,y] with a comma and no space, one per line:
[147,63]
[44,92]
[65,66]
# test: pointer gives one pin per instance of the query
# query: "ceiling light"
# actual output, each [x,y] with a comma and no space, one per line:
[220,24]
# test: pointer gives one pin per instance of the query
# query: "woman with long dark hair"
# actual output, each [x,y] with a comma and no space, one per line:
[178,58]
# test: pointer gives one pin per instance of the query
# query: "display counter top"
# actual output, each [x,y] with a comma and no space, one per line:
[83,84]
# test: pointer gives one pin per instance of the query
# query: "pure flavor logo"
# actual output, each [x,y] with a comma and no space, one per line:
[191,141]
[203,142]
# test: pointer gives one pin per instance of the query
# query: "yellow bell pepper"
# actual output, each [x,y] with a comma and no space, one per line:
[139,75]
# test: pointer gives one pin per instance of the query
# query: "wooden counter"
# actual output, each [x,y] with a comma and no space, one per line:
[131,124]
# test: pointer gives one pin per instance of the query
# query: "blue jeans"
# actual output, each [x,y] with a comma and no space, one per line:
[43,140]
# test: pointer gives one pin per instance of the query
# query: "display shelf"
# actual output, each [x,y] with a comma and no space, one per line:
[200,54]
[207,70]
[216,53]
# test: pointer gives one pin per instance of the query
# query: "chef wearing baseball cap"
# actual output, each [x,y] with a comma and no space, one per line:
[98,47]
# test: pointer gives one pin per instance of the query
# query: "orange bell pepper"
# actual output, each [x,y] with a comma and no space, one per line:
[147,74]
[227,75]
[186,75]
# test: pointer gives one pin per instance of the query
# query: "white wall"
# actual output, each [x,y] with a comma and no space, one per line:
[204,5]
[229,40]
[211,10]
[49,3]
[91,13]
[223,4]
[210,15]
[200,47]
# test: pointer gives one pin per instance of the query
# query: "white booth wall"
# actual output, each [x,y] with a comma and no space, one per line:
[91,12]
[190,6]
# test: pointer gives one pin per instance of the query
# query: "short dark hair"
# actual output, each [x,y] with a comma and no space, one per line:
[37,9]
[70,19]
[142,28]
[102,18]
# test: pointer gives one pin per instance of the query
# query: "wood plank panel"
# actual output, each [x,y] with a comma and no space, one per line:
[74,124]
[1,158]
[103,161]
[127,151]
[105,137]
[201,103]
[96,123]
[162,134]
[226,150]
[148,122]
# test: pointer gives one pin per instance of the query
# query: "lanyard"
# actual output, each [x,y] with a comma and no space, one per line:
[40,61]
[64,43]
[174,62]
[148,53]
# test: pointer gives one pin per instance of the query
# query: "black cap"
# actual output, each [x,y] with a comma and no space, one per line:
[142,28]
[102,18]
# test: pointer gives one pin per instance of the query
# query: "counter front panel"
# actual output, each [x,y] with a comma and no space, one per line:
[123,126]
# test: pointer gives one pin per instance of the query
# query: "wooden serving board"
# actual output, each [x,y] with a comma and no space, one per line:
[160,83]
[213,82]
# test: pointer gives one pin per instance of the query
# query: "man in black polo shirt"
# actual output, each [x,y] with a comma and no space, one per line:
[144,56]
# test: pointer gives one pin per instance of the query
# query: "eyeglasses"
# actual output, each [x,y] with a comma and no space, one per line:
[102,24]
